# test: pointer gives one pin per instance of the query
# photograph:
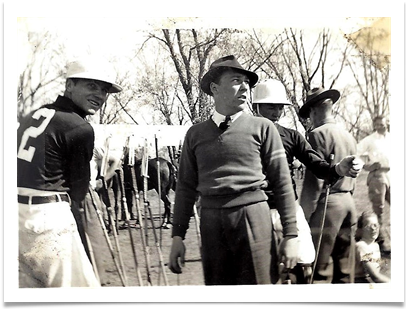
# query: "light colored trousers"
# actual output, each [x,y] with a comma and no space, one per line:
[51,253]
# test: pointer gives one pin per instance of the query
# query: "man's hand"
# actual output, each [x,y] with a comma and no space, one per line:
[264,185]
[296,164]
[288,252]
[178,251]
[349,166]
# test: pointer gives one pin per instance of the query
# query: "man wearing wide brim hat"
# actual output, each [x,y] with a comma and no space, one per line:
[269,99]
[315,96]
[221,65]
[337,212]
[223,161]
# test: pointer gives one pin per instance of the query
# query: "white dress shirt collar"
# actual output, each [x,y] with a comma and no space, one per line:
[218,118]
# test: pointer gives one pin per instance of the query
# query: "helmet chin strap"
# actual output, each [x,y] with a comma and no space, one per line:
[257,110]
[254,109]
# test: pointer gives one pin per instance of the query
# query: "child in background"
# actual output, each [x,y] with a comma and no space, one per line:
[368,254]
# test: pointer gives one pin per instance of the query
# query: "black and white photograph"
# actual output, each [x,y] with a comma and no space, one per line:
[229,159]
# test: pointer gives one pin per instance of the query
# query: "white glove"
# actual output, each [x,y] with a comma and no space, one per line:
[349,166]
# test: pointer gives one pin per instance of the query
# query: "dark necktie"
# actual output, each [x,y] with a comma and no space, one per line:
[226,123]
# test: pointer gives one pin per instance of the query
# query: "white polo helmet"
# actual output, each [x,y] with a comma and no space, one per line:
[270,91]
[93,68]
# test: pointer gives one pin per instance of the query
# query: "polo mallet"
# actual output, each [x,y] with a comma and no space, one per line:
[197,225]
[170,154]
[147,205]
[146,250]
[180,147]
[352,253]
[145,176]
[105,233]
[89,244]
[127,216]
[104,165]
[158,184]
[323,219]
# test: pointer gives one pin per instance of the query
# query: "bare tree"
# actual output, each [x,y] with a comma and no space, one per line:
[121,107]
[42,78]
[190,51]
[160,85]
[370,68]
[297,63]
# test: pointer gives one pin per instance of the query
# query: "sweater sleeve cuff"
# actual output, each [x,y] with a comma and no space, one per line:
[290,229]
[179,230]
[333,175]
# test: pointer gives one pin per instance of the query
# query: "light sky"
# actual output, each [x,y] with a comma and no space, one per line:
[116,34]
[82,22]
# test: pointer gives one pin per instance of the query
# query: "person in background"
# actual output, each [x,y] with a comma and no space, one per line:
[269,100]
[227,160]
[375,150]
[55,145]
[328,139]
[129,184]
[368,255]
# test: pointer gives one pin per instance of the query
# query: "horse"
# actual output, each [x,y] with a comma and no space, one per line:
[134,180]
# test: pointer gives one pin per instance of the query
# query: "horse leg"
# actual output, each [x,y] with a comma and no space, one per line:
[167,211]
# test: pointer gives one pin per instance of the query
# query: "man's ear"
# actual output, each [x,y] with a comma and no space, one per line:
[213,87]
[69,84]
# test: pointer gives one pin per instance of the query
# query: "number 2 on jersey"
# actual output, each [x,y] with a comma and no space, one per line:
[33,132]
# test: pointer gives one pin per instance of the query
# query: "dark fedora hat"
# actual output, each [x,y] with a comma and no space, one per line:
[218,66]
[316,95]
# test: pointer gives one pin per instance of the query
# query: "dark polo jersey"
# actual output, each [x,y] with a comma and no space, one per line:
[296,146]
[54,148]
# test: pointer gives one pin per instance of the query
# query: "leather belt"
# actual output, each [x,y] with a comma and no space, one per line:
[24,199]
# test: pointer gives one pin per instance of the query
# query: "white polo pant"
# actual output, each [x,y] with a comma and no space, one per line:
[51,253]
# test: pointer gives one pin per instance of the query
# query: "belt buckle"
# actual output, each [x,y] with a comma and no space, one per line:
[64,197]
[60,197]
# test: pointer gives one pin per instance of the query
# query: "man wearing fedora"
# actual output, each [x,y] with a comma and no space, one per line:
[227,160]
[327,138]
[55,146]
[269,101]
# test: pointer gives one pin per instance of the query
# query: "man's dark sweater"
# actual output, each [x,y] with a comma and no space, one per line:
[230,166]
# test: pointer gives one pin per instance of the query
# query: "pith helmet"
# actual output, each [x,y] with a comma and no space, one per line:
[270,91]
[314,96]
[91,68]
[218,66]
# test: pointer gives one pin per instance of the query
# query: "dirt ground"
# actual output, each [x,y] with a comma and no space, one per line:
[158,243]
[158,248]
